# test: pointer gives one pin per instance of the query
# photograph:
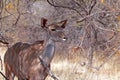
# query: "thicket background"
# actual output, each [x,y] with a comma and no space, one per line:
[93,29]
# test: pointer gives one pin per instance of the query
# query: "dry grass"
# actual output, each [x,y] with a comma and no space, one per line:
[72,68]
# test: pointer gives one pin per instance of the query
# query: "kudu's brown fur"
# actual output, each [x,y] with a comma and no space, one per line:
[22,59]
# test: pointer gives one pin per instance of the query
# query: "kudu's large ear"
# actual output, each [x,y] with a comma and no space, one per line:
[43,22]
[62,23]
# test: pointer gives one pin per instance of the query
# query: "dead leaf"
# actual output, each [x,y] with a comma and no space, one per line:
[102,1]
[10,6]
[118,17]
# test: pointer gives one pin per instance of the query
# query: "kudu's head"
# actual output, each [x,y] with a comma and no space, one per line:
[54,31]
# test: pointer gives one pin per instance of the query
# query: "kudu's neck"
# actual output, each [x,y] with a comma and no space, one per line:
[49,51]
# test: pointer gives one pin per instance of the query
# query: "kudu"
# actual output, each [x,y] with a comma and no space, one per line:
[22,59]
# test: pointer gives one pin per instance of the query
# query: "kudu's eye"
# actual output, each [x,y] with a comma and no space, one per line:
[53,29]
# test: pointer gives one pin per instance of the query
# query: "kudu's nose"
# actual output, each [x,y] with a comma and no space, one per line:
[64,38]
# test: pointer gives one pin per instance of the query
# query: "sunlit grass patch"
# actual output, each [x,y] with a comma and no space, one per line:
[66,69]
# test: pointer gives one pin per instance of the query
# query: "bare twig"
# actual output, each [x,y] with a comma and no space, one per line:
[1,63]
[109,57]
[60,6]
[93,3]
[18,14]
[109,30]
[7,9]
[3,40]
[84,35]
[1,6]
[82,7]
[3,75]
[91,15]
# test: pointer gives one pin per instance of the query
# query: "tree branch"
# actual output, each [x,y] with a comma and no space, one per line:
[60,6]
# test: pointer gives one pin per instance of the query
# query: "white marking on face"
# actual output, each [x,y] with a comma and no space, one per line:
[64,39]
